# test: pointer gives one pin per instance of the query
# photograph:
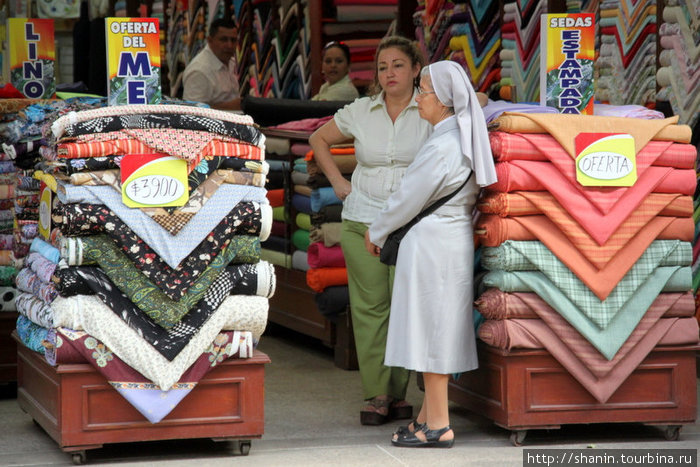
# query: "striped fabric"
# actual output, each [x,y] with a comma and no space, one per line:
[543,147]
[597,227]
[495,304]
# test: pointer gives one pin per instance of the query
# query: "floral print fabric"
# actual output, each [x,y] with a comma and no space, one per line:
[149,297]
[81,219]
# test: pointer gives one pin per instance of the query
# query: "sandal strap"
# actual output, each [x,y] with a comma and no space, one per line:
[434,435]
[379,403]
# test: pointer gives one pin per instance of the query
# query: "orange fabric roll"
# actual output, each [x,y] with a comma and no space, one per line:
[276,197]
[319,279]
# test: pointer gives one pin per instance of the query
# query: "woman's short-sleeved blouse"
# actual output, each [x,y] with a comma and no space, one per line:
[383,149]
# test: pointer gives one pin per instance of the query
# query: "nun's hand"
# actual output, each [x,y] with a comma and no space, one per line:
[342,188]
[371,247]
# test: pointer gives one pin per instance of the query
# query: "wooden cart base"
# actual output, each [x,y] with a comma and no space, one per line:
[76,406]
[521,390]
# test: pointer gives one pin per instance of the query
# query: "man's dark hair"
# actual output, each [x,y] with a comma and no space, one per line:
[220,23]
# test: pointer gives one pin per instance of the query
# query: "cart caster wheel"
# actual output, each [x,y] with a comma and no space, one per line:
[79,458]
[672,432]
[245,447]
[518,437]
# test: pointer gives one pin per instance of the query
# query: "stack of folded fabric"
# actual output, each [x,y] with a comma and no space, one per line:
[597,276]
[279,51]
[520,55]
[327,274]
[153,297]
[467,33]
[301,202]
[627,61]
[276,249]
[679,73]
[362,60]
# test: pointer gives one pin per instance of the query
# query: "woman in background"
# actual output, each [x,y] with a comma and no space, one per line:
[387,132]
[431,327]
[334,67]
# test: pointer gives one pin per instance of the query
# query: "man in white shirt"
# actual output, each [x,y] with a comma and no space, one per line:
[210,77]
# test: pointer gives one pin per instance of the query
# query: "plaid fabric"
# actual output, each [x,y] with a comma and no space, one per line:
[601,312]
[607,339]
[509,257]
[543,147]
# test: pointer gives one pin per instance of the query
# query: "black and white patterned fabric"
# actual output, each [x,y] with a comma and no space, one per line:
[246,133]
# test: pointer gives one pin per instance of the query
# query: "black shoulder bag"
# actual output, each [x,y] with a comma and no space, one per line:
[390,250]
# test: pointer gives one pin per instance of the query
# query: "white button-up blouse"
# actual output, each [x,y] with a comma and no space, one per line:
[383,150]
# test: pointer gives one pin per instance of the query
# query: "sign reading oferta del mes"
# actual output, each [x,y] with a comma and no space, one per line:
[567,51]
[133,61]
[32,52]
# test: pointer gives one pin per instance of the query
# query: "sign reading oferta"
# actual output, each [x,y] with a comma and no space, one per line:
[567,51]
[133,61]
[605,159]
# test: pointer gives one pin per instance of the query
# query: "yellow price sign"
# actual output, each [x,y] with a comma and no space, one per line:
[153,180]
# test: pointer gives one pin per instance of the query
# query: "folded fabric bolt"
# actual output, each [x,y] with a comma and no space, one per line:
[319,279]
[127,344]
[322,197]
[153,402]
[563,126]
[31,334]
[543,147]
[623,315]
[494,304]
[8,296]
[45,249]
[321,256]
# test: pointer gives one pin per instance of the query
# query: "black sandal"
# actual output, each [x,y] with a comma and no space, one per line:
[375,418]
[406,428]
[432,439]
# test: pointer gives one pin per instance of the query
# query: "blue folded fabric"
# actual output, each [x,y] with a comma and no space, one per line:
[321,197]
[302,203]
[45,249]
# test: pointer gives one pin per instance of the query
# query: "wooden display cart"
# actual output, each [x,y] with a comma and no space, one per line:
[76,406]
[528,389]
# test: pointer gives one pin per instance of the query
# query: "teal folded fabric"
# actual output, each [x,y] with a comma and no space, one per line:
[508,256]
[625,316]
[585,300]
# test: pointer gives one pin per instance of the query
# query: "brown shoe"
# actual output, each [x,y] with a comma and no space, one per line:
[399,410]
[376,412]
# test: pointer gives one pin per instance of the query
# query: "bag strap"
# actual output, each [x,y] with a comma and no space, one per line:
[430,209]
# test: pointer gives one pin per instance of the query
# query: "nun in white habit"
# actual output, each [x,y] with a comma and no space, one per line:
[431,326]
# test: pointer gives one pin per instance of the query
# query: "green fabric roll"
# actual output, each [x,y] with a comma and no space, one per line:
[276,257]
[696,282]
[149,297]
[280,213]
[304,221]
[625,317]
[300,239]
[7,275]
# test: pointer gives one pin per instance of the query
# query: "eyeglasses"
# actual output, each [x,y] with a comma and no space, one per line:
[422,92]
